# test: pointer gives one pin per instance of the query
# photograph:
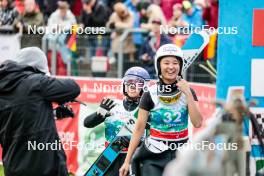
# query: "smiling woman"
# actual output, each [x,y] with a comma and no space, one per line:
[170,67]
[168,111]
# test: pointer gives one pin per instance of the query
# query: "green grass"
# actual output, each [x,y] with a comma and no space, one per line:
[2,171]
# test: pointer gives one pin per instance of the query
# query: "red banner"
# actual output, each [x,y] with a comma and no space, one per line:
[68,132]
[206,95]
[258,28]
[94,90]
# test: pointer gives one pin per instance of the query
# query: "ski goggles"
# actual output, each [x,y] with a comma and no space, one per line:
[170,99]
[134,82]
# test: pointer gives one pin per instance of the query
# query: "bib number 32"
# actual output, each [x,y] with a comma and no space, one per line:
[170,117]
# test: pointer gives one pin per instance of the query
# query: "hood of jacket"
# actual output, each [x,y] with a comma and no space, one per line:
[34,57]
[28,61]
[11,75]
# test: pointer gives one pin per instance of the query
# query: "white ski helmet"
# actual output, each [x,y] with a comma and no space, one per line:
[168,50]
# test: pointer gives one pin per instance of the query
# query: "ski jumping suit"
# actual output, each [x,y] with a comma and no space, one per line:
[119,114]
[168,123]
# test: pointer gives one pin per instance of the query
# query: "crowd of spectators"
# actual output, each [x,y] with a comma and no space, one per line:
[116,15]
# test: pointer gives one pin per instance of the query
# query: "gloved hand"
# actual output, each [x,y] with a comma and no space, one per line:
[106,105]
[63,111]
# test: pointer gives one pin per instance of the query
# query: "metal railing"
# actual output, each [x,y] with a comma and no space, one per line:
[86,50]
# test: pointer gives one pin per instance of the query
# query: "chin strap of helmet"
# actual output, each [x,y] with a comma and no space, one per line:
[131,104]
[172,87]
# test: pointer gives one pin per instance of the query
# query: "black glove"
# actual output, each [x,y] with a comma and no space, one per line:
[63,111]
[106,105]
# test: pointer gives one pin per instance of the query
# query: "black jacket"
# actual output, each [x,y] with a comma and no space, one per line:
[98,17]
[26,117]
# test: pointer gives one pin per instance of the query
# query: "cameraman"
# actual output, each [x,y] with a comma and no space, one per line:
[26,115]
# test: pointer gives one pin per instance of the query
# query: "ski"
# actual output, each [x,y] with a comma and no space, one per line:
[193,46]
[111,152]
